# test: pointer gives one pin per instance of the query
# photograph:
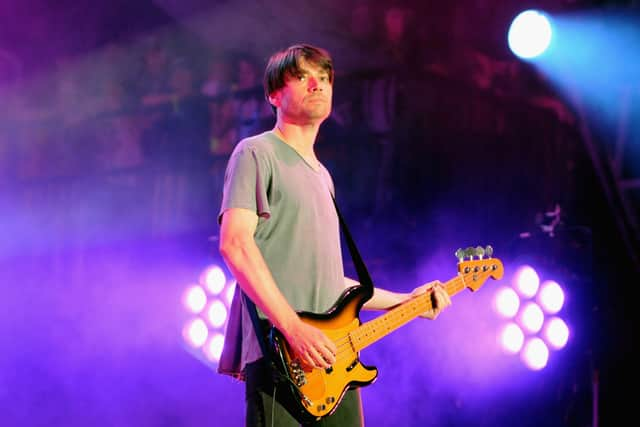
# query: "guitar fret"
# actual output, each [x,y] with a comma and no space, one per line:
[375,329]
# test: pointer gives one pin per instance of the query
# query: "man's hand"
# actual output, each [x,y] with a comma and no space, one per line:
[439,298]
[311,345]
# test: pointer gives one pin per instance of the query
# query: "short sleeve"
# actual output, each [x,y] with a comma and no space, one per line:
[246,182]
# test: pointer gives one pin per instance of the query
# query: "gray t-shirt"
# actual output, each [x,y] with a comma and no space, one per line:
[298,233]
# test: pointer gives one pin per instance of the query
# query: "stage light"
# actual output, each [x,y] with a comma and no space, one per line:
[511,338]
[527,307]
[556,332]
[527,281]
[535,354]
[214,279]
[507,302]
[231,290]
[213,348]
[195,299]
[208,306]
[196,332]
[531,317]
[217,314]
[529,34]
[551,297]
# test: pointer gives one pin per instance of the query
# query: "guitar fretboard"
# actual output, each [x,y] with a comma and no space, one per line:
[373,330]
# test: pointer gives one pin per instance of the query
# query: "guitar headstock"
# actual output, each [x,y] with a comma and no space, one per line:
[474,272]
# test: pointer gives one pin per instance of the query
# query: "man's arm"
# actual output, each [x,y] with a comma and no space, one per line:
[244,259]
[383,299]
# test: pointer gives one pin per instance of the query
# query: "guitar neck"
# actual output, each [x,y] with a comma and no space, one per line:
[371,331]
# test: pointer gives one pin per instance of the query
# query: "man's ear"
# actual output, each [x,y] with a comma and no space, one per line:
[274,99]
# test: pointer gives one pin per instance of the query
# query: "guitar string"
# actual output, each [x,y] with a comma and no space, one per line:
[453,285]
[343,341]
[344,354]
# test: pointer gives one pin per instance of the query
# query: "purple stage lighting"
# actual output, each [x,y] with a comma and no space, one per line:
[528,307]
[551,297]
[213,347]
[556,332]
[231,290]
[531,317]
[535,354]
[511,338]
[195,333]
[527,281]
[208,305]
[217,314]
[195,299]
[507,302]
[214,279]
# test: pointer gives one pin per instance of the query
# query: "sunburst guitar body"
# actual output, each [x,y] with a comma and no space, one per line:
[315,393]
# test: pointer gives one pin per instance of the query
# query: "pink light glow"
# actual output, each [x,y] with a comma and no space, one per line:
[511,338]
[507,302]
[526,281]
[532,317]
[195,299]
[551,297]
[195,332]
[213,348]
[231,289]
[217,313]
[556,333]
[214,279]
[535,354]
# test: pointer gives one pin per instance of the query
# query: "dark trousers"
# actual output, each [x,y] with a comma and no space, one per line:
[265,411]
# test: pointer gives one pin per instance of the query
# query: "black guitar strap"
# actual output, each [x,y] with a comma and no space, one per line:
[363,277]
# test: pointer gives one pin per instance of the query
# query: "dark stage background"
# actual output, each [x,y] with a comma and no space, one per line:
[116,123]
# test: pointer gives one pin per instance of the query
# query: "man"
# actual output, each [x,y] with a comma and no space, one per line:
[280,237]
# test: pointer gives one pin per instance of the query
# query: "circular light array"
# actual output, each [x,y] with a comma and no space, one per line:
[208,303]
[530,308]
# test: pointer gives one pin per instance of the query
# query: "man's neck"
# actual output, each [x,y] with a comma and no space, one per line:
[300,137]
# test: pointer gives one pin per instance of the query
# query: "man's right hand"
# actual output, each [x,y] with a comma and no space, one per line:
[311,345]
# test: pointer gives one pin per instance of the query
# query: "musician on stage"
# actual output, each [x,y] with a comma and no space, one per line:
[280,237]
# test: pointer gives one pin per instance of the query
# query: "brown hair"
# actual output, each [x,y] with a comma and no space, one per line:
[287,62]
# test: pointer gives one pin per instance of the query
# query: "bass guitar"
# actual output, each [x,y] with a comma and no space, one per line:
[314,393]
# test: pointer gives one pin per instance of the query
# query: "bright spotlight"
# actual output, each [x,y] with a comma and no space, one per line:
[231,290]
[214,279]
[535,354]
[203,330]
[217,313]
[213,349]
[527,281]
[195,299]
[507,302]
[532,317]
[511,338]
[196,332]
[551,297]
[529,34]
[556,333]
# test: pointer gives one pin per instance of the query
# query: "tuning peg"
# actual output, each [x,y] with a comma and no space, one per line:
[470,252]
[479,252]
[459,254]
[488,251]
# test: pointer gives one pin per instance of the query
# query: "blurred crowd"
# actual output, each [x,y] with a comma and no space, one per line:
[166,102]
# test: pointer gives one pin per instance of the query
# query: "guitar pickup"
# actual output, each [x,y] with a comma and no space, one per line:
[353,365]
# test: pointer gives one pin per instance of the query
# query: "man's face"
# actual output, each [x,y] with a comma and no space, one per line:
[305,98]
